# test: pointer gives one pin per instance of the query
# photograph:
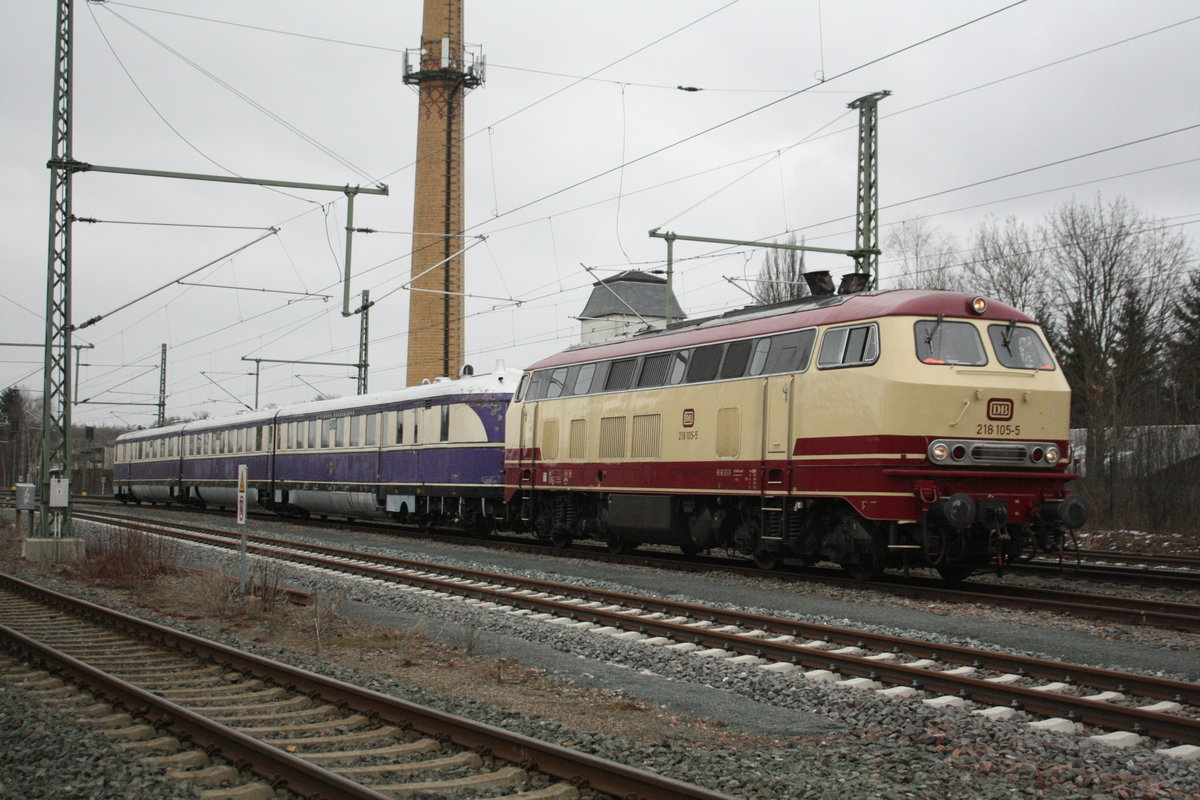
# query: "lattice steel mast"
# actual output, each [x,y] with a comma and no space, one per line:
[866,240]
[56,391]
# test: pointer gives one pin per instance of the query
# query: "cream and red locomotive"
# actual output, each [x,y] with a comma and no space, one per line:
[871,430]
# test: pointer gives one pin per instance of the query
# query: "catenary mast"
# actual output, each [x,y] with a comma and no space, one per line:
[443,69]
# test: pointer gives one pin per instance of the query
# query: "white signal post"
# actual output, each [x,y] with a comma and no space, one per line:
[241,518]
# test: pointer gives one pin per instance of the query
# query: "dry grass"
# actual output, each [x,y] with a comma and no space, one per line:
[127,559]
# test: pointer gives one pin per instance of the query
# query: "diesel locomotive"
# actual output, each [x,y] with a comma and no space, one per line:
[869,429]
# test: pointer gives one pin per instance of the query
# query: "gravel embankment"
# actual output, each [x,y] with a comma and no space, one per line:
[44,754]
[815,740]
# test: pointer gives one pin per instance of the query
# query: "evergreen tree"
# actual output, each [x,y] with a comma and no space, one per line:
[1185,353]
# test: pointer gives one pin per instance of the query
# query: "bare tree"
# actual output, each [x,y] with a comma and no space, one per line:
[925,257]
[782,275]
[1009,262]
[1106,256]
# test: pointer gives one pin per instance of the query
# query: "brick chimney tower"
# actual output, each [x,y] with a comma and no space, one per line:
[443,69]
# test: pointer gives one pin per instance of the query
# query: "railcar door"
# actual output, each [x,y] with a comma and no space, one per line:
[776,466]
[527,459]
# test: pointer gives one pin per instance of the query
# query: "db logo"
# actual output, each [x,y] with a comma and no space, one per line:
[1000,408]
[689,417]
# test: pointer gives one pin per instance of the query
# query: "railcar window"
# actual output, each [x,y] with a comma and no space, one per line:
[313,433]
[399,427]
[654,370]
[355,422]
[416,426]
[444,430]
[679,362]
[947,342]
[620,373]
[1019,348]
[849,347]
[704,363]
[369,439]
[736,355]
[583,380]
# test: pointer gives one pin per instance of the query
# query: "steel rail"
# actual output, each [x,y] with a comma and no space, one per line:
[271,763]
[1150,686]
[580,769]
[1127,610]
[1173,727]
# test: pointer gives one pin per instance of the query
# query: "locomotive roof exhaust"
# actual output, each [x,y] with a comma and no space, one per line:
[820,283]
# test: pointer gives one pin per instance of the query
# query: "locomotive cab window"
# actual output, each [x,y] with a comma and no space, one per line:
[955,343]
[854,346]
[1019,348]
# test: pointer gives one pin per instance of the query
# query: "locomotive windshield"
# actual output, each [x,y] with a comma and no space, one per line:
[955,343]
[1019,348]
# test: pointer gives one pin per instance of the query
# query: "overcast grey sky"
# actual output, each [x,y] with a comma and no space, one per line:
[312,91]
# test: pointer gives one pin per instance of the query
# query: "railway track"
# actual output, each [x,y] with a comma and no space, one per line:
[1085,605]
[1062,696]
[313,735]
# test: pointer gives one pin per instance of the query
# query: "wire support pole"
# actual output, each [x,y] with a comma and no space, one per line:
[162,387]
[866,240]
[364,342]
[54,519]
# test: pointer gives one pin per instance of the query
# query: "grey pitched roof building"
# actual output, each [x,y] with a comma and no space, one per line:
[631,293]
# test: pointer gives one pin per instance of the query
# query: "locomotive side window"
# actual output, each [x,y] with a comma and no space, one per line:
[518,396]
[620,373]
[849,347]
[790,352]
[583,380]
[654,370]
[557,383]
[942,342]
[704,363]
[759,360]
[736,355]
[679,362]
[1019,348]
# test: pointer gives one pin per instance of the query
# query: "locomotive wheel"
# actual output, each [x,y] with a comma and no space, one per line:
[862,572]
[765,559]
[617,545]
[954,573]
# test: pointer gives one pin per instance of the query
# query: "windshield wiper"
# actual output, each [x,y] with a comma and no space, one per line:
[1006,339]
[933,330]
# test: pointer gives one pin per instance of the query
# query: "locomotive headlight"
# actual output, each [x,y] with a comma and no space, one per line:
[1052,455]
[939,452]
[978,305]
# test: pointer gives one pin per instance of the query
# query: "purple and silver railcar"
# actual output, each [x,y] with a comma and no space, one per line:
[429,454]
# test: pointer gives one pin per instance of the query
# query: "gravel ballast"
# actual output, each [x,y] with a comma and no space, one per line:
[825,741]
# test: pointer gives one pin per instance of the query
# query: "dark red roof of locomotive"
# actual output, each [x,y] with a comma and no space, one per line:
[762,321]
